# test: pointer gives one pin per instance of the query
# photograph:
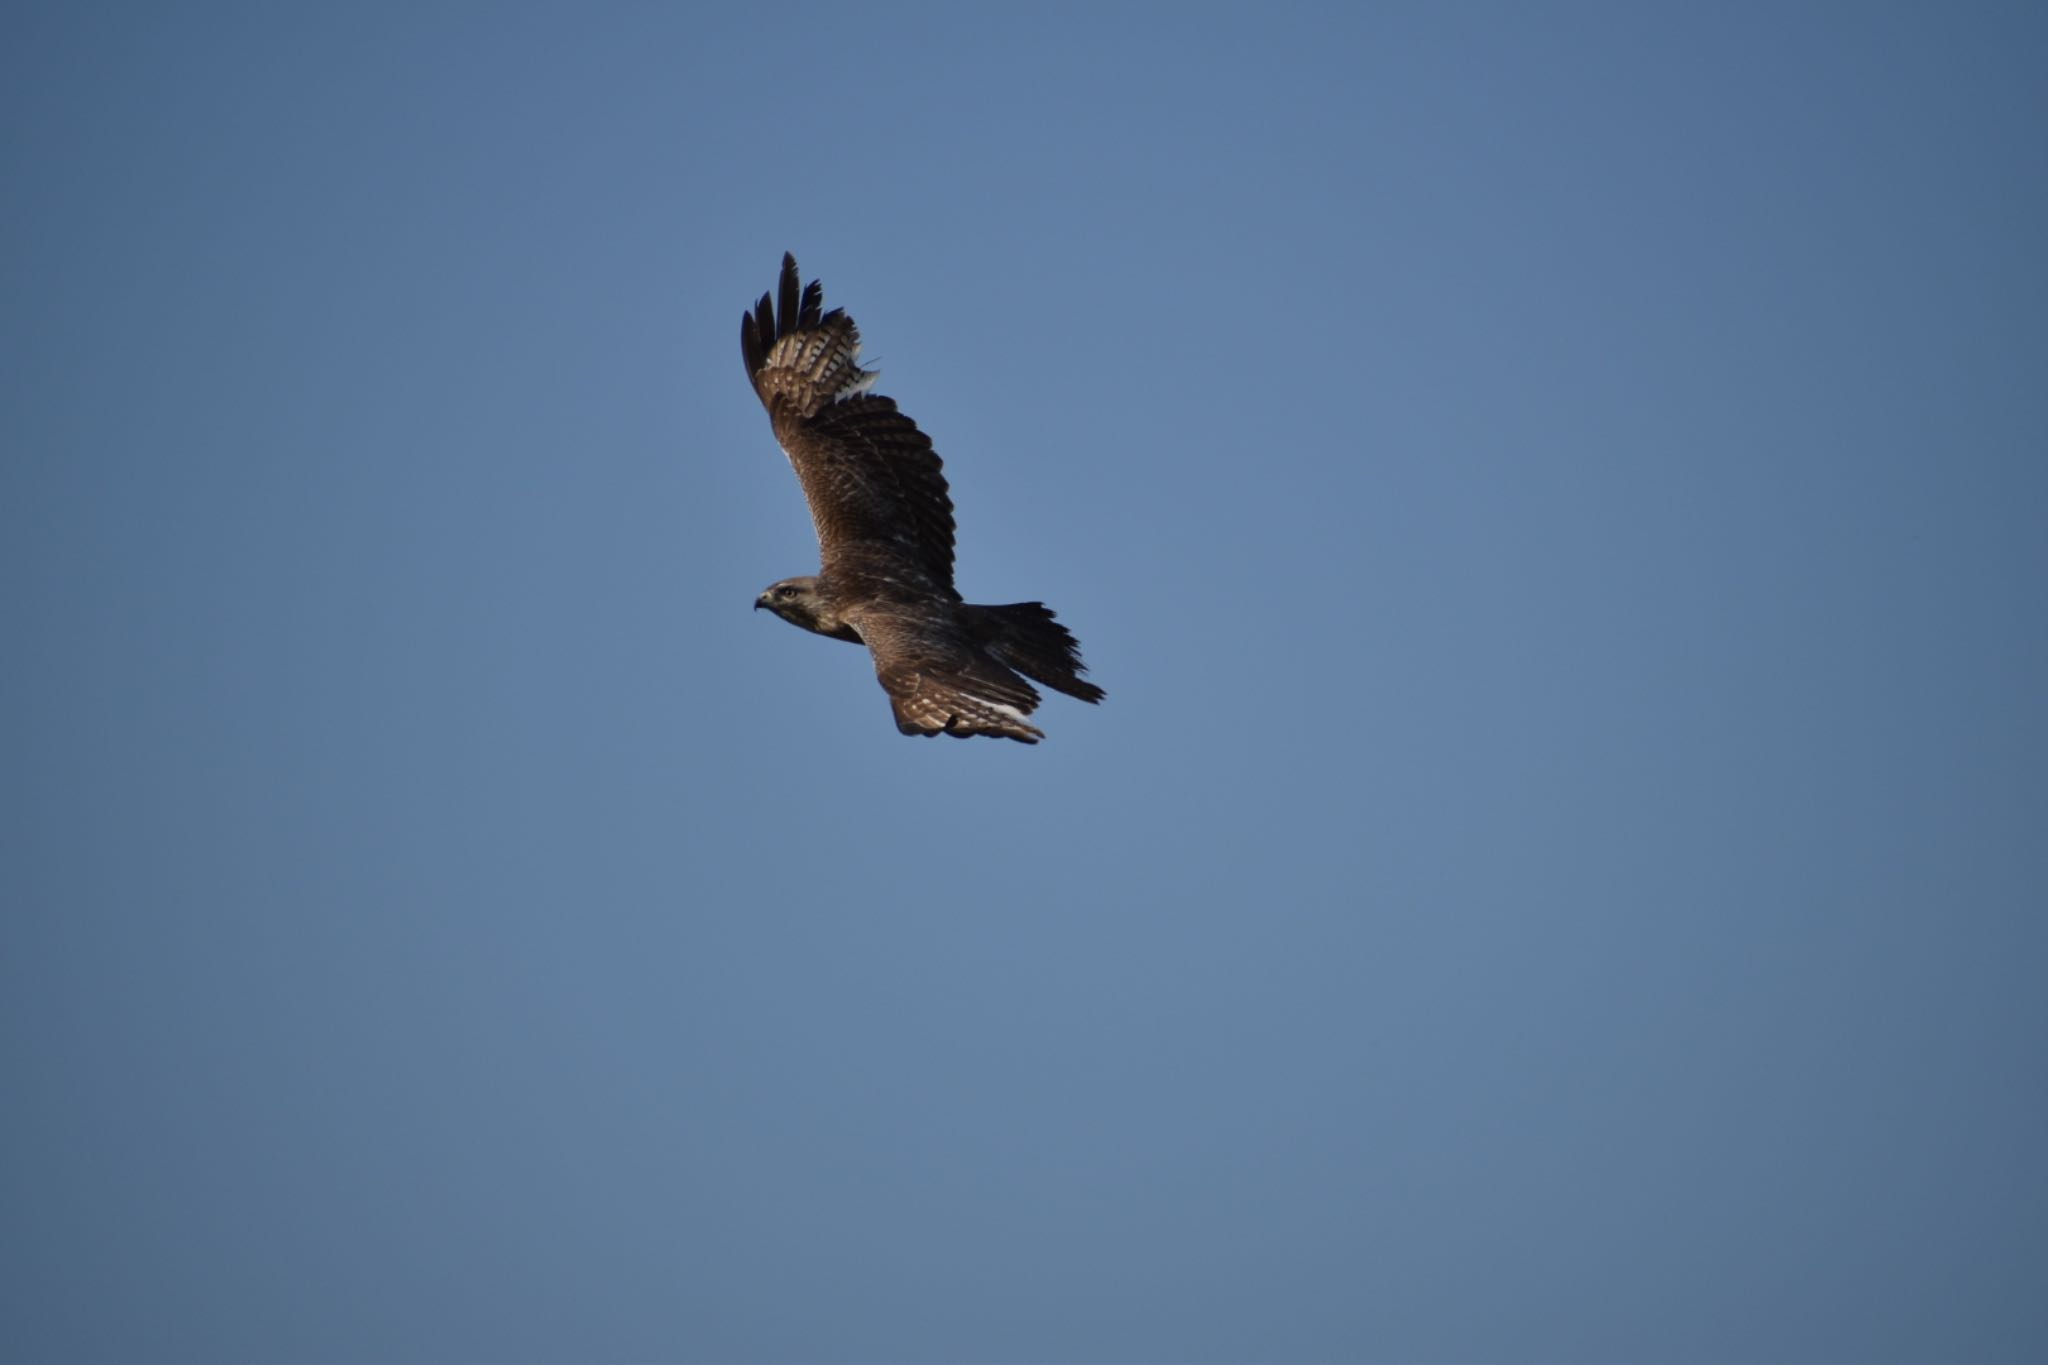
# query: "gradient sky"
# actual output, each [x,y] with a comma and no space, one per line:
[1557,495]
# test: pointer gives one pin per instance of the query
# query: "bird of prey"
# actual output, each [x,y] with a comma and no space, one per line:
[885,536]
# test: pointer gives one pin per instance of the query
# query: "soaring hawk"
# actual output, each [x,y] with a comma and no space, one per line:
[885,536]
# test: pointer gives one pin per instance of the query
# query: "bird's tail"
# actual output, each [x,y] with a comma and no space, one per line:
[796,352]
[1025,636]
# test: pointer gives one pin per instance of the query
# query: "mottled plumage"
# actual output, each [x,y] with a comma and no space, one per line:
[885,536]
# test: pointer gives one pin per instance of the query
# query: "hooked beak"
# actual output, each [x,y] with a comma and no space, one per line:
[761,601]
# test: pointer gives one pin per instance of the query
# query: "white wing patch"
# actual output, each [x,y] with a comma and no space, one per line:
[817,367]
[860,384]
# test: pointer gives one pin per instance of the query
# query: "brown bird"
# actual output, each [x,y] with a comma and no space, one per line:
[885,537]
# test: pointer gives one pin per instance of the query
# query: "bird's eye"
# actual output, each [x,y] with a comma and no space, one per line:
[787,592]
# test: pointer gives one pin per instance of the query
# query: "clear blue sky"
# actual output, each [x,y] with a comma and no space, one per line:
[1556,494]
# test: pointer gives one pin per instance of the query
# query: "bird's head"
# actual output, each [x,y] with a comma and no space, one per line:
[798,601]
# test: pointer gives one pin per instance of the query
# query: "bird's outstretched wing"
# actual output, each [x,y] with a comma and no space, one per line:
[939,682]
[877,494]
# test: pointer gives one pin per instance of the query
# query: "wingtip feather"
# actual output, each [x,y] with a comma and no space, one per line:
[789,307]
[750,345]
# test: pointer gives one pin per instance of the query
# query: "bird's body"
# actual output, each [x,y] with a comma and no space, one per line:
[885,535]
